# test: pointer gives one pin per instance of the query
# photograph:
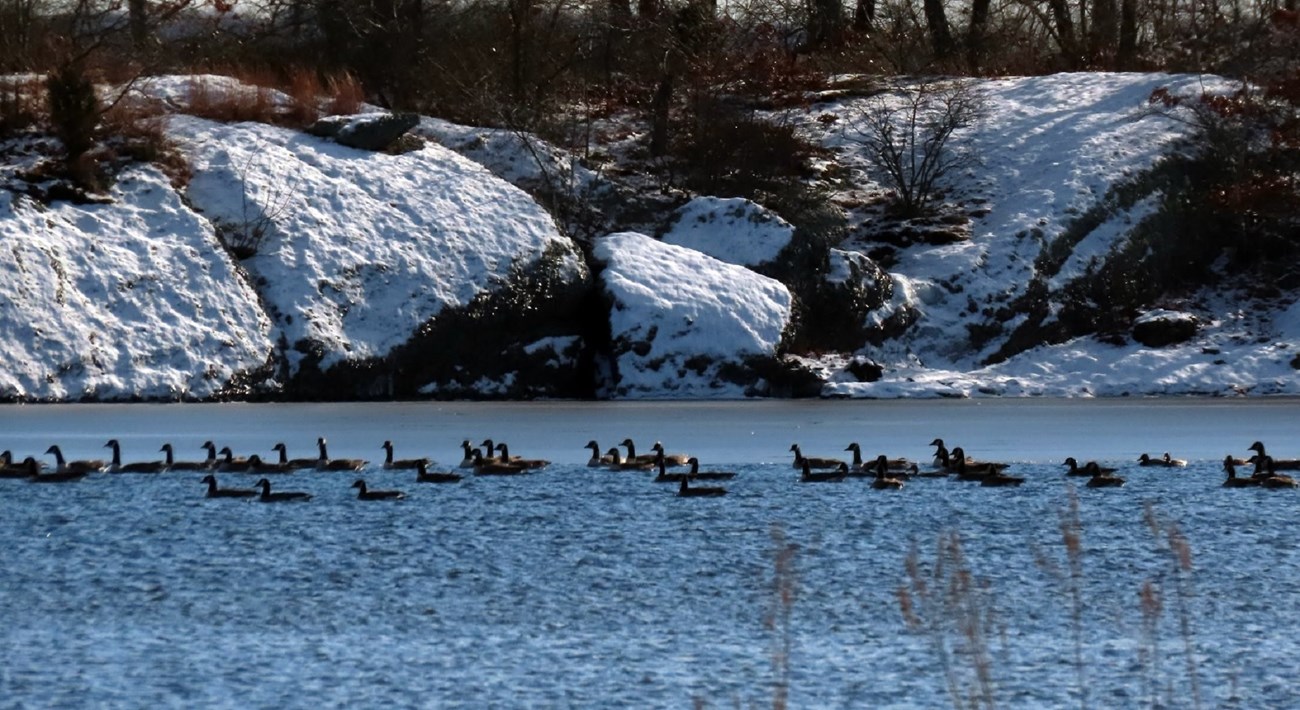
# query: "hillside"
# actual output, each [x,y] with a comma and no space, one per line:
[487,263]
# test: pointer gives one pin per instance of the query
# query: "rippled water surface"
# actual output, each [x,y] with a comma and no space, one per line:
[575,587]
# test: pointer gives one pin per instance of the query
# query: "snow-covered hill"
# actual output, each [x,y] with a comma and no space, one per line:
[433,272]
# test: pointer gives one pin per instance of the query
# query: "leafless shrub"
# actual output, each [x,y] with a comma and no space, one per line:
[258,213]
[911,133]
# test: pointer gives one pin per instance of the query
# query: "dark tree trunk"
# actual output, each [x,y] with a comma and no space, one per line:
[1105,30]
[138,20]
[620,11]
[1127,56]
[1065,33]
[659,115]
[826,26]
[940,34]
[648,9]
[979,17]
[864,15]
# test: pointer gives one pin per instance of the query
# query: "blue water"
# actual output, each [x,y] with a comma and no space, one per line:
[582,588]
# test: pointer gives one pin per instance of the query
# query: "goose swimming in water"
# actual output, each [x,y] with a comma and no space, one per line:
[616,462]
[517,461]
[423,475]
[325,463]
[116,465]
[807,475]
[34,474]
[490,453]
[664,476]
[1232,481]
[471,454]
[292,464]
[696,474]
[1166,461]
[882,480]
[486,467]
[215,492]
[257,465]
[169,460]
[364,493]
[400,464]
[684,490]
[859,464]
[1077,470]
[597,459]
[1100,477]
[670,459]
[812,461]
[229,464]
[1278,464]
[1266,472]
[77,466]
[280,496]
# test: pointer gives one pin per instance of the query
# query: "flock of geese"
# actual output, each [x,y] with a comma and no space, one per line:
[492,458]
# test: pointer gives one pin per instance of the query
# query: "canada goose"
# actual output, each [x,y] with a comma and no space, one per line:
[9,469]
[859,465]
[812,461]
[402,464]
[881,479]
[1278,464]
[279,497]
[697,474]
[34,474]
[968,469]
[995,477]
[229,464]
[214,492]
[647,458]
[486,467]
[422,475]
[1232,481]
[616,462]
[173,465]
[257,465]
[325,463]
[596,459]
[470,451]
[78,466]
[293,464]
[664,476]
[364,493]
[211,448]
[1100,478]
[116,465]
[1266,472]
[489,453]
[1076,470]
[806,474]
[1165,461]
[685,491]
[517,461]
[671,459]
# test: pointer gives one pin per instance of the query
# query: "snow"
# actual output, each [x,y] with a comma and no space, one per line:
[361,248]
[734,230]
[674,305]
[134,299]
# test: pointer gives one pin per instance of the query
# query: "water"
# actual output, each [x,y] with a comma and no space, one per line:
[581,588]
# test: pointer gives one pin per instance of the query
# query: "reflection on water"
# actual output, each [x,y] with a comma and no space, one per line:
[574,587]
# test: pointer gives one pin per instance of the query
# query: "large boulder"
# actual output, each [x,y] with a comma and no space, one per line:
[131,300]
[734,230]
[1160,328]
[358,252]
[684,324]
[370,131]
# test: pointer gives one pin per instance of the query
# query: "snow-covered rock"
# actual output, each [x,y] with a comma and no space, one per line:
[679,317]
[134,299]
[356,249]
[734,230]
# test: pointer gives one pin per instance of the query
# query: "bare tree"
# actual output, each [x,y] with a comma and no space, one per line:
[911,135]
